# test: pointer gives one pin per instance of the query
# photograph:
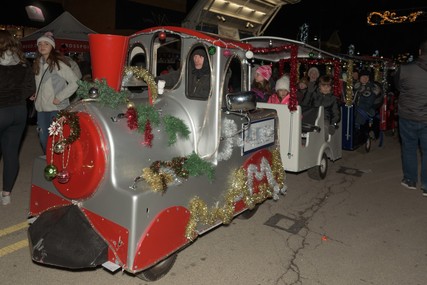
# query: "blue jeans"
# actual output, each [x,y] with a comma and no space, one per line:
[44,119]
[413,134]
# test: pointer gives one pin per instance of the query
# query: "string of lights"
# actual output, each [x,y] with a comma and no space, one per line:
[390,17]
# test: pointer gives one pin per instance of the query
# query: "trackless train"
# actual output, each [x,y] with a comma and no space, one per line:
[141,166]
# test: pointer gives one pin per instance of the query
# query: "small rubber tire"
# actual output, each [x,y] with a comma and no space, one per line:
[158,270]
[319,172]
[246,215]
[368,144]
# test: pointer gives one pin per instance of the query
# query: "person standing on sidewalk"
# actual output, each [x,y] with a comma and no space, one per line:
[56,82]
[411,81]
[16,85]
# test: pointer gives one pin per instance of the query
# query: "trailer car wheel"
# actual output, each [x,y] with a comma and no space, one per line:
[368,144]
[159,270]
[319,172]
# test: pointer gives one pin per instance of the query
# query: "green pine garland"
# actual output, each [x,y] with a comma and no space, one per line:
[196,166]
[147,112]
[174,126]
[107,95]
[111,98]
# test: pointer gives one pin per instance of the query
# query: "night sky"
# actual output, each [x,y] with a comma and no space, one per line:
[348,18]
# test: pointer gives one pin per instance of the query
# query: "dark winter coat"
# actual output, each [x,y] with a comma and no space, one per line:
[329,103]
[17,84]
[411,81]
[365,101]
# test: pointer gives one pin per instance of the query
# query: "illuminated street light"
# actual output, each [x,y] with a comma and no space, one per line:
[35,13]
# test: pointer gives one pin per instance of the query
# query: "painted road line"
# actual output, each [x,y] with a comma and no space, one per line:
[13,247]
[13,228]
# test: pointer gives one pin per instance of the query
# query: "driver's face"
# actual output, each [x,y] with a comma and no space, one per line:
[198,61]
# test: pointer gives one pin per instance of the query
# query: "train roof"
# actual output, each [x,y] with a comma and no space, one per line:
[275,48]
[214,39]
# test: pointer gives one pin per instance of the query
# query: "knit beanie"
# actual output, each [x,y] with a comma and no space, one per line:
[365,72]
[313,69]
[264,71]
[199,51]
[47,37]
[282,83]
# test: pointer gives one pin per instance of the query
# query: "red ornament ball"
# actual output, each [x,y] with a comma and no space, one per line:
[63,176]
[162,36]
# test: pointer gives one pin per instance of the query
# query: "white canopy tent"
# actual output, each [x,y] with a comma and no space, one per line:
[67,30]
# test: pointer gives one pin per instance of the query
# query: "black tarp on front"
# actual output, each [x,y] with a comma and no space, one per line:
[64,237]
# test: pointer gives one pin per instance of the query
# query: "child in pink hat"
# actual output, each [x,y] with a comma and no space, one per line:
[261,83]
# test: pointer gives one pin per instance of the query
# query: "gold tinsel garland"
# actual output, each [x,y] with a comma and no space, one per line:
[277,168]
[158,181]
[238,189]
[162,173]
[349,85]
[141,73]
[377,73]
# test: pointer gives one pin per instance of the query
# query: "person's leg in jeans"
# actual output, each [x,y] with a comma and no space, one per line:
[423,144]
[409,138]
[44,119]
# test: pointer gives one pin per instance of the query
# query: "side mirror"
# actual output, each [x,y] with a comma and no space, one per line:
[241,101]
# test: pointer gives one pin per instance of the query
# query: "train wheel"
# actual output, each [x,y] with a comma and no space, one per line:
[248,213]
[159,270]
[319,172]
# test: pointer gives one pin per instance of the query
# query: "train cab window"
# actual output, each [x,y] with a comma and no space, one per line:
[167,51]
[198,74]
[233,78]
[137,58]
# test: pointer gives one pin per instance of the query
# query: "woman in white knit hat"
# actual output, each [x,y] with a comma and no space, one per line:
[313,74]
[56,82]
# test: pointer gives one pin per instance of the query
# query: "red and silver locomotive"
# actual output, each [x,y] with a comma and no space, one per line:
[134,173]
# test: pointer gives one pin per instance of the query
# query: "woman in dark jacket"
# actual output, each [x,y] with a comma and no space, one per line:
[16,85]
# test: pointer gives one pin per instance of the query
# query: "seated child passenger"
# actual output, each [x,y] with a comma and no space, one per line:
[261,83]
[281,96]
[313,74]
[302,90]
[365,94]
[323,96]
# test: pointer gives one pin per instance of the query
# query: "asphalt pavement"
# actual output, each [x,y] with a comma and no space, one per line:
[357,226]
